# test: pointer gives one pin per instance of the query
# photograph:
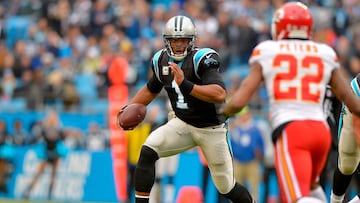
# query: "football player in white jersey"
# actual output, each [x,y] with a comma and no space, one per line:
[296,71]
[349,150]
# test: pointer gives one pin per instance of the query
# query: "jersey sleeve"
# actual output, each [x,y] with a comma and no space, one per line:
[207,65]
[261,51]
[154,84]
[330,56]
[213,76]
[200,59]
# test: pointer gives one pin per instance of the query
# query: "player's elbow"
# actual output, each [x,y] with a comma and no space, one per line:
[355,110]
[215,98]
[358,110]
[219,97]
[210,93]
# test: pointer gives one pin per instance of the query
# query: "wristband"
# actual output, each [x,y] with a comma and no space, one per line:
[186,86]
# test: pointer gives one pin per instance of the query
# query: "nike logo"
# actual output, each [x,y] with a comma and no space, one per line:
[208,56]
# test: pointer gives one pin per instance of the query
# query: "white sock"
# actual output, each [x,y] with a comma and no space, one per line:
[169,193]
[155,194]
[335,198]
[309,200]
[355,200]
[319,193]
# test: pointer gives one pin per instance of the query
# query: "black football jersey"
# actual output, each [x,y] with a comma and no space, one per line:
[186,107]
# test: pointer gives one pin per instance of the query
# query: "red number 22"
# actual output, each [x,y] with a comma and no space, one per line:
[301,92]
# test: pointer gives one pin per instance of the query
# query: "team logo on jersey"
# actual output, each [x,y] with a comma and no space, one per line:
[166,70]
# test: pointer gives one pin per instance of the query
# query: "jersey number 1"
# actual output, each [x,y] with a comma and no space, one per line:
[180,103]
[302,91]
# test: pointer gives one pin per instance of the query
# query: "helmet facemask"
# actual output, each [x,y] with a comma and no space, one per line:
[180,49]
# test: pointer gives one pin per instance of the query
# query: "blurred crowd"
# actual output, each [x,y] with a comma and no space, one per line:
[57,52]
[94,138]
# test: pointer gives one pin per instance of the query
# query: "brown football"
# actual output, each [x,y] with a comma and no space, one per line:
[131,116]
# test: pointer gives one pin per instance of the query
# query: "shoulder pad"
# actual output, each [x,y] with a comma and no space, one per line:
[155,62]
[199,55]
[355,85]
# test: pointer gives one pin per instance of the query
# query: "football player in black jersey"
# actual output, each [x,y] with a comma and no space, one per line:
[196,90]
[349,150]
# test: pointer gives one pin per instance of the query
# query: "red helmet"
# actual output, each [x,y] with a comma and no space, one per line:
[292,20]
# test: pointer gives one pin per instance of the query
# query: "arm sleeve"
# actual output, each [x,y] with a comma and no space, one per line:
[154,85]
[212,76]
[209,71]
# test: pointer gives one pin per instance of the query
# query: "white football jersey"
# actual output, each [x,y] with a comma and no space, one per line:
[296,73]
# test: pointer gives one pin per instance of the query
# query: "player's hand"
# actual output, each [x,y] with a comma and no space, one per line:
[177,72]
[221,112]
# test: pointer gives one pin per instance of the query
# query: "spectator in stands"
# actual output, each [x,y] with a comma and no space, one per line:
[32,89]
[22,61]
[19,135]
[7,153]
[70,96]
[92,61]
[96,138]
[73,138]
[4,134]
[248,148]
[2,23]
[222,38]
[99,16]
[340,19]
[8,86]
[243,37]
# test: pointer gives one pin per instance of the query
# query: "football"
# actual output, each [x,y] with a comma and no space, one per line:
[131,115]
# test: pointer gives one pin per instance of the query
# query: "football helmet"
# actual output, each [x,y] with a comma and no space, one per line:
[177,28]
[292,20]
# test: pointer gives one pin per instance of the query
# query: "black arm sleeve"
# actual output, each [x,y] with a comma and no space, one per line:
[212,76]
[209,70]
[154,85]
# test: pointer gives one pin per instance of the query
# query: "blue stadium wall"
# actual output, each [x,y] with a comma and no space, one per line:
[86,176]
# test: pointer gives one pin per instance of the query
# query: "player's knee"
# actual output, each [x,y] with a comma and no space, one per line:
[148,156]
[223,179]
[348,165]
[145,170]
[222,188]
